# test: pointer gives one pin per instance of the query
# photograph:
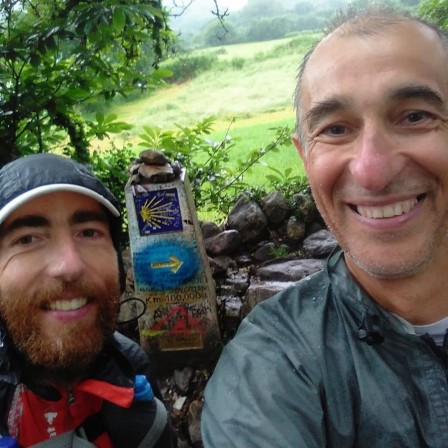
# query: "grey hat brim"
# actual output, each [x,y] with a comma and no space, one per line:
[29,195]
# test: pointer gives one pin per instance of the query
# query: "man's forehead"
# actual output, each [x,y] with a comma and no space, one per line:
[345,50]
[359,32]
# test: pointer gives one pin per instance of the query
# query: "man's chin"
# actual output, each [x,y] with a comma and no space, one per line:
[74,348]
[64,361]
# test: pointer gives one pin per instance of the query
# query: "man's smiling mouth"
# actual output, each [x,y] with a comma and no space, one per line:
[67,305]
[388,211]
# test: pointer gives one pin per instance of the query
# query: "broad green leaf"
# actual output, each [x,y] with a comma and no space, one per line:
[119,19]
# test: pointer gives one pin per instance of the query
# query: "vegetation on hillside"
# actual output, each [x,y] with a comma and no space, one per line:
[189,65]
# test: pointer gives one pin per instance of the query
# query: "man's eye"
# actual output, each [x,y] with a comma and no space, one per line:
[418,116]
[25,240]
[335,130]
[90,233]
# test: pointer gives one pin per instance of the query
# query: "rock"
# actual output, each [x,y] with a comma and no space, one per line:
[177,169]
[259,291]
[238,281]
[179,404]
[209,229]
[248,218]
[295,230]
[244,260]
[304,207]
[222,264]
[265,252]
[135,178]
[182,379]
[151,157]
[229,315]
[314,227]
[289,270]
[223,243]
[194,422]
[133,169]
[232,306]
[275,208]
[156,173]
[319,244]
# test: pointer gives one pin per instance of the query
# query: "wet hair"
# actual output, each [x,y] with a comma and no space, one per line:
[368,21]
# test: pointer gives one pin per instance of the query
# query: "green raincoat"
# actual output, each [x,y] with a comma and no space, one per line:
[322,365]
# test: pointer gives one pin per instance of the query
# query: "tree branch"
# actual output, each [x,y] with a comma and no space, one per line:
[183,6]
[221,17]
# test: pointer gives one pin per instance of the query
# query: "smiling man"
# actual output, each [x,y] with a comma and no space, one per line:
[66,377]
[356,355]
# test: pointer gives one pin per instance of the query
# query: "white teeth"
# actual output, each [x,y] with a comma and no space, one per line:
[67,305]
[387,211]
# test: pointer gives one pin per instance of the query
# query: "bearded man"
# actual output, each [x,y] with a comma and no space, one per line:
[66,377]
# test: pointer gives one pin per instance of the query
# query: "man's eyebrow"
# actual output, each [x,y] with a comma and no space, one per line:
[83,216]
[24,221]
[321,110]
[41,221]
[417,92]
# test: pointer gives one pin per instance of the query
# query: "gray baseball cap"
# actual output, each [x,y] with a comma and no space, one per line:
[32,176]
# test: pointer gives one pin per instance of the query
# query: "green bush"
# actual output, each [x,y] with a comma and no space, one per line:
[215,182]
[186,67]
[237,63]
[112,168]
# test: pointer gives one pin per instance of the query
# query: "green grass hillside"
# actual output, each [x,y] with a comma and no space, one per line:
[251,84]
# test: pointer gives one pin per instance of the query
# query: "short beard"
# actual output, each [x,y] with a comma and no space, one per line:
[70,354]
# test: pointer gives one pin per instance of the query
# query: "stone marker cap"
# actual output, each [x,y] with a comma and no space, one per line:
[32,176]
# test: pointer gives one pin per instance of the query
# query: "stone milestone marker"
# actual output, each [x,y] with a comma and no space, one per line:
[171,270]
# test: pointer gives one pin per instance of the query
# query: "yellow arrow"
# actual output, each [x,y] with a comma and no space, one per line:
[174,264]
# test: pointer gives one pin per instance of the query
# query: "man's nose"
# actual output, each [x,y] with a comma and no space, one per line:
[377,159]
[66,262]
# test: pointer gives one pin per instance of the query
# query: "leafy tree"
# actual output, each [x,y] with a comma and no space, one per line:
[58,54]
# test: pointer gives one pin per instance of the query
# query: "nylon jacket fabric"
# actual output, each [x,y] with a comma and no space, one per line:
[117,365]
[302,373]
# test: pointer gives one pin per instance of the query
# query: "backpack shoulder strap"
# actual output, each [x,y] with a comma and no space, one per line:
[157,427]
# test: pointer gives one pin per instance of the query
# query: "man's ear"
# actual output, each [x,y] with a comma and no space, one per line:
[301,150]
